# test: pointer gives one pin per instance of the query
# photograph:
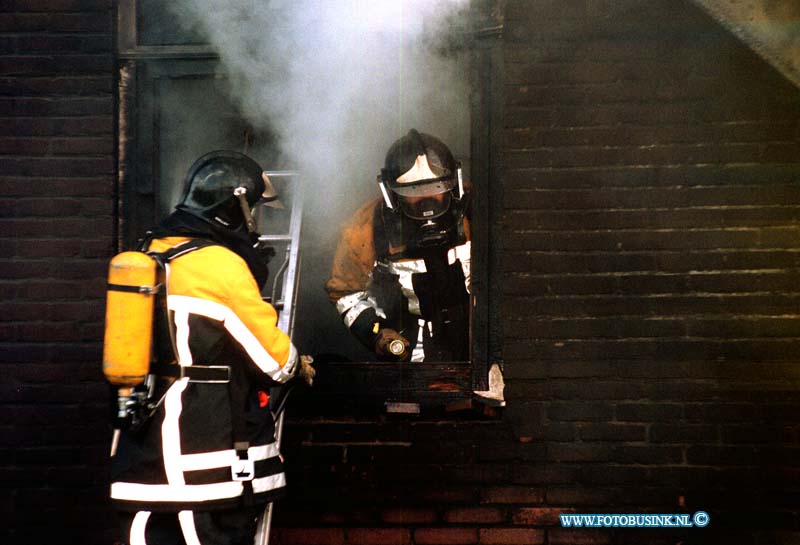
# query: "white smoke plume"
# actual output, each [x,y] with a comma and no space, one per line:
[339,80]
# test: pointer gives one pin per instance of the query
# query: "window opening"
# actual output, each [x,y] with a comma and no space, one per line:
[176,90]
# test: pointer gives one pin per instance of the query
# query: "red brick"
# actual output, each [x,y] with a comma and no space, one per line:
[580,495]
[56,22]
[510,536]
[51,225]
[637,139]
[648,455]
[23,146]
[26,65]
[39,372]
[408,515]
[9,332]
[446,536]
[578,537]
[81,146]
[23,354]
[60,106]
[512,494]
[612,432]
[57,126]
[46,247]
[311,536]
[55,86]
[449,495]
[475,515]
[97,248]
[484,473]
[539,516]
[22,186]
[51,208]
[52,332]
[48,291]
[29,6]
[13,312]
[378,536]
[57,167]
[96,207]
[578,452]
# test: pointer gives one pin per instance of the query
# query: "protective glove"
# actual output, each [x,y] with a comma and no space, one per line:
[306,371]
[390,343]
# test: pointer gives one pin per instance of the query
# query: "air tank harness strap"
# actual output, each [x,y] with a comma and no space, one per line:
[207,374]
[149,290]
[162,258]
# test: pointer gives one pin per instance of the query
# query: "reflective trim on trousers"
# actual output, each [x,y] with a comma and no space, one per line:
[175,493]
[138,527]
[186,519]
[225,458]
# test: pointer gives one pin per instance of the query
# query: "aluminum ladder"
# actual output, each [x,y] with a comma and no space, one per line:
[283,296]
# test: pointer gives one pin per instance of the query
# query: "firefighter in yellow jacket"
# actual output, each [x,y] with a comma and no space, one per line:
[401,272]
[200,468]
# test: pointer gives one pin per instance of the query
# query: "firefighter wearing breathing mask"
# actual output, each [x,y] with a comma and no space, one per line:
[401,272]
[203,461]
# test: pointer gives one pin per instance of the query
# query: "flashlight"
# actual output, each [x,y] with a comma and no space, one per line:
[397,348]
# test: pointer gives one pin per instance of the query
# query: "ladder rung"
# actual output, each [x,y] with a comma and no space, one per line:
[277,304]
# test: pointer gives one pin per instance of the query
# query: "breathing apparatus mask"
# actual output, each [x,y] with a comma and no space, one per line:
[423,182]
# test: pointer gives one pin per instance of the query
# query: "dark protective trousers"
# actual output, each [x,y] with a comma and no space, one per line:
[190,527]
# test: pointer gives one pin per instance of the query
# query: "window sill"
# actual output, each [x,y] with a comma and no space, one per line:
[396,389]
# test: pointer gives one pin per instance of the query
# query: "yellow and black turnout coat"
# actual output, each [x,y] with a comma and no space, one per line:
[377,284]
[210,442]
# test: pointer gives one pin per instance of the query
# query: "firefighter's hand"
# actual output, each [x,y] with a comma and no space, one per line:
[306,371]
[391,344]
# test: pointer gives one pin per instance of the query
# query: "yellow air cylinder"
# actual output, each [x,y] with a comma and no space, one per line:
[129,318]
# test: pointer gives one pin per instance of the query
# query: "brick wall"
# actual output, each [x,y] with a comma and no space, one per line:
[651,224]
[56,234]
[648,266]
[649,306]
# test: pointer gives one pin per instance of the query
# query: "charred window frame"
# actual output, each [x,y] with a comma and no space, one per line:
[487,152]
[147,67]
[143,70]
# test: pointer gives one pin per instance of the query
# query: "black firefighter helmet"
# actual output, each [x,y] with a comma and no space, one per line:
[420,176]
[222,186]
[422,179]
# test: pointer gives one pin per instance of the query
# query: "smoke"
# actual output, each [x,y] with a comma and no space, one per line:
[338,81]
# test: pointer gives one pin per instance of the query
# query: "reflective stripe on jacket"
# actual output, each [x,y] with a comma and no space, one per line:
[184,456]
[350,287]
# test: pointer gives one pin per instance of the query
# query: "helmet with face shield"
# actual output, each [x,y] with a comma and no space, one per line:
[420,177]
[222,188]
